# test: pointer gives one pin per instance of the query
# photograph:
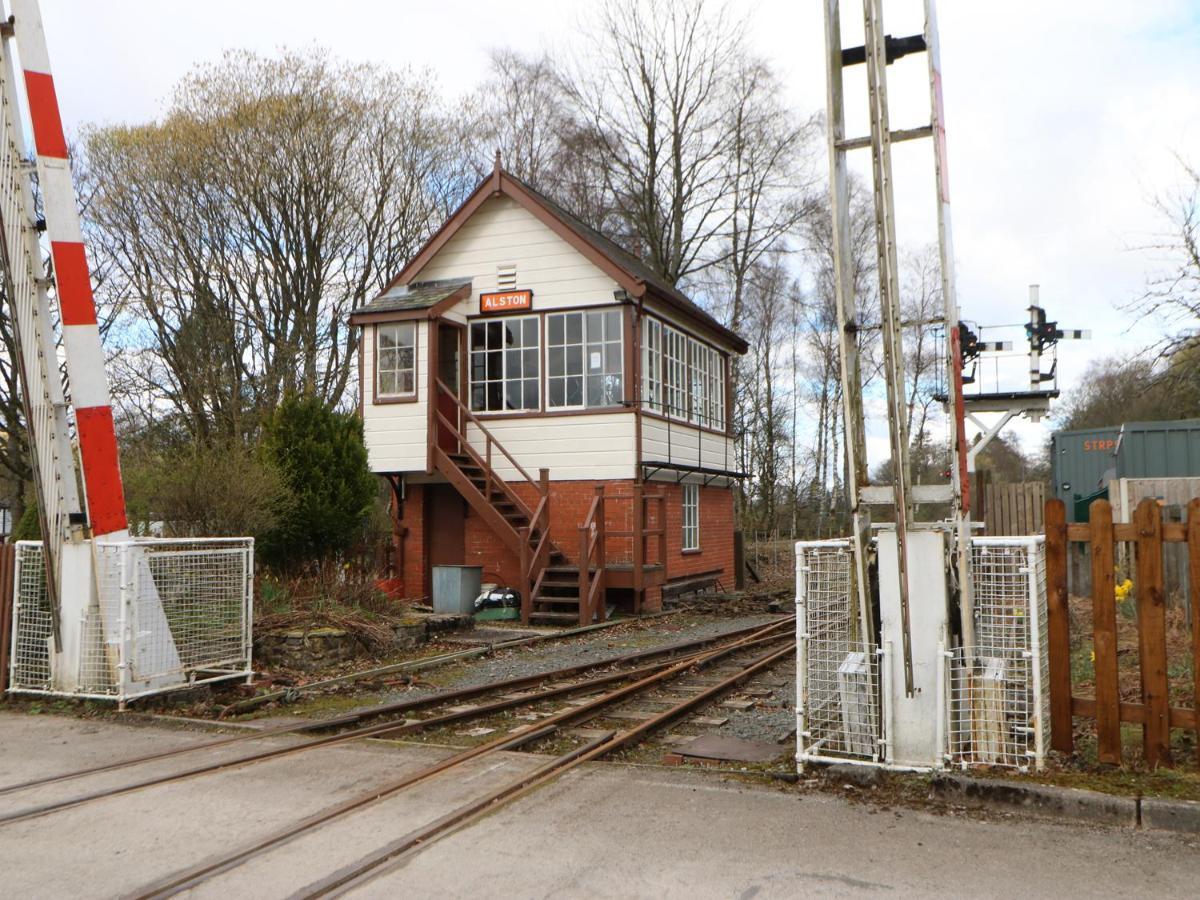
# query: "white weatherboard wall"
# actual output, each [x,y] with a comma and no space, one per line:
[501,233]
[573,448]
[396,433]
[683,444]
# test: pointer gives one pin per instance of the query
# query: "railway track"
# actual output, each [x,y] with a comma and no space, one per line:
[765,645]
[400,707]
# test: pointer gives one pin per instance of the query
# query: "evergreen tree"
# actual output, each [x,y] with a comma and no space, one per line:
[324,463]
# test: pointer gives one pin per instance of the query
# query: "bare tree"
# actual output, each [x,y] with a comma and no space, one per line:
[1172,293]
[924,359]
[822,338]
[275,196]
[769,174]
[765,435]
[524,110]
[658,107]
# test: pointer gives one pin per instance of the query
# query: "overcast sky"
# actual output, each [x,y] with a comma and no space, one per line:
[1062,117]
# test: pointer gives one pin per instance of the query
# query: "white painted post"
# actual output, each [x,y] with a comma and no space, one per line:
[124,627]
[248,609]
[942,707]
[886,711]
[1036,650]
[801,656]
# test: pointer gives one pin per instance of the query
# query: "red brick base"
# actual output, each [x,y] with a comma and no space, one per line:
[569,505]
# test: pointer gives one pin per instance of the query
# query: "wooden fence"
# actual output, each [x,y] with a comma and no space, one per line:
[8,561]
[1147,533]
[1012,508]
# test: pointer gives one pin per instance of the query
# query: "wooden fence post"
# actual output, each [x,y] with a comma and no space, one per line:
[1104,634]
[1152,633]
[1193,551]
[1058,627]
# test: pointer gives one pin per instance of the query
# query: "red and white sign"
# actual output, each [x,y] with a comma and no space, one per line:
[505,301]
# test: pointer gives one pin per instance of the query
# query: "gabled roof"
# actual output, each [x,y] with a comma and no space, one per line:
[633,275]
[413,300]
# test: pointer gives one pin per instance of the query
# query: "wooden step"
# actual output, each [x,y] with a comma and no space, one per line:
[561,575]
[557,591]
[544,602]
[554,618]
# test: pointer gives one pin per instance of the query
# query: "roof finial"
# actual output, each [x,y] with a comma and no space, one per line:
[497,166]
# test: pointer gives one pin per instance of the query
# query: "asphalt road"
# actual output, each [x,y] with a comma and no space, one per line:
[602,831]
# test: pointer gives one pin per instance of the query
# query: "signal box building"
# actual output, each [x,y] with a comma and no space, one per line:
[548,408]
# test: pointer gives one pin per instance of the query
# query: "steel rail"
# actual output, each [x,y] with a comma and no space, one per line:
[191,877]
[383,709]
[431,662]
[398,852]
[377,730]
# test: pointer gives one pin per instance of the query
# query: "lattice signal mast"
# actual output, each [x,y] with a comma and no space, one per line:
[902,496]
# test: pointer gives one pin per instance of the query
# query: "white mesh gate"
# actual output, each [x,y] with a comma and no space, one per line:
[837,703]
[999,689]
[170,613]
[995,696]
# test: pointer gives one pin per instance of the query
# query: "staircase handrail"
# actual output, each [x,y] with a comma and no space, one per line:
[591,548]
[490,438]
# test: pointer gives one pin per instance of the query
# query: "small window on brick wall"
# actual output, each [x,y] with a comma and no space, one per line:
[691,516]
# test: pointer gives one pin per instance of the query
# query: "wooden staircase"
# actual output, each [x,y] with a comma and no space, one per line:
[550,586]
[555,590]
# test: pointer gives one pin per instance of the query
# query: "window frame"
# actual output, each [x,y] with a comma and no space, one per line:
[687,489]
[604,342]
[379,396]
[652,364]
[673,366]
[504,375]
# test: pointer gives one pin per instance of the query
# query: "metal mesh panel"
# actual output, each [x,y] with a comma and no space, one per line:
[32,630]
[998,689]
[838,684]
[202,588]
[169,612]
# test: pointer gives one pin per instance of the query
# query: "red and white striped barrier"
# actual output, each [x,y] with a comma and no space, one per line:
[103,489]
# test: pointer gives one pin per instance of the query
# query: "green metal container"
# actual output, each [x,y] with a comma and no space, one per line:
[1083,462]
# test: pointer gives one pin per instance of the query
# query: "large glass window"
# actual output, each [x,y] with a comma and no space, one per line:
[716,389]
[396,360]
[585,365]
[652,364]
[691,516]
[675,370]
[707,370]
[505,364]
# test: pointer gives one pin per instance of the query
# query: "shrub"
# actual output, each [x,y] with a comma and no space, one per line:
[220,491]
[324,463]
[28,527]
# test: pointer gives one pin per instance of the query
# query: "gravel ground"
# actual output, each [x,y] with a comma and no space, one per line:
[770,719]
[604,645]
